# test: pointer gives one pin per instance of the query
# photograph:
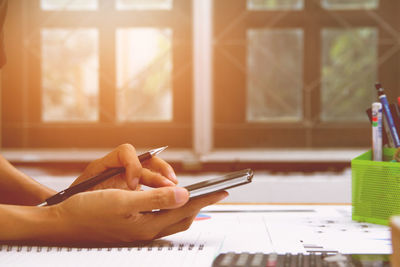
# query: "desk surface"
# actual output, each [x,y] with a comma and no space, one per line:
[224,228]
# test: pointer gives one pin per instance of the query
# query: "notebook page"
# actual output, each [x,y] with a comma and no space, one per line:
[182,249]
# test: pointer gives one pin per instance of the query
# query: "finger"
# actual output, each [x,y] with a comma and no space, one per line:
[123,156]
[170,217]
[118,182]
[182,225]
[158,165]
[159,198]
[154,179]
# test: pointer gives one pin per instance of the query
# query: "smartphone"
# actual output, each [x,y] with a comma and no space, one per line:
[227,181]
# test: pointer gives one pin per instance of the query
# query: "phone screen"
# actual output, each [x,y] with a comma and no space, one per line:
[220,183]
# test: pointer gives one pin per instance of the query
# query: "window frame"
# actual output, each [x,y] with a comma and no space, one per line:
[204,132]
[21,96]
[232,19]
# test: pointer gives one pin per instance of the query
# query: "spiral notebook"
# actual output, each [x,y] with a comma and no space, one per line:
[182,249]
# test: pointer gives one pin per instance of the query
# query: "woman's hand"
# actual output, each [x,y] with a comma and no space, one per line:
[109,216]
[153,172]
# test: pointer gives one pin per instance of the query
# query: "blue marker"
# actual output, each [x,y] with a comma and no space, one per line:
[388,114]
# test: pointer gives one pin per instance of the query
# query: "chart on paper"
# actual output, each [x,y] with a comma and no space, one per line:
[295,229]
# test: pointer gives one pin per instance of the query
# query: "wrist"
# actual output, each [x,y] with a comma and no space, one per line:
[26,223]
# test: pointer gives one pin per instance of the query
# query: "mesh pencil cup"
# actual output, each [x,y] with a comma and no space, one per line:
[375,188]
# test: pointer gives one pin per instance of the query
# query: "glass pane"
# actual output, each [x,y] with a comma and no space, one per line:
[349,72]
[68,4]
[350,4]
[274,4]
[274,75]
[70,74]
[144,4]
[144,70]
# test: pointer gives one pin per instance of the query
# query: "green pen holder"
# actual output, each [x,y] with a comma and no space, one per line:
[375,187]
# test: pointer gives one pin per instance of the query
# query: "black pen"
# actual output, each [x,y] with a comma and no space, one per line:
[85,185]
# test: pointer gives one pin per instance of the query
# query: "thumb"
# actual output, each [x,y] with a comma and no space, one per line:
[160,198]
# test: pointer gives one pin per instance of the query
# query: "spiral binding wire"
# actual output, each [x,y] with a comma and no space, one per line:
[159,247]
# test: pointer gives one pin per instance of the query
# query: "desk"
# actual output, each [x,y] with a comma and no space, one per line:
[225,228]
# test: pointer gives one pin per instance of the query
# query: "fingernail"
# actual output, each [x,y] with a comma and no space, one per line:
[133,183]
[168,182]
[172,176]
[223,196]
[181,195]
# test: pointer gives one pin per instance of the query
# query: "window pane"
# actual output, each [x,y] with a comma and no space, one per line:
[144,4]
[274,4]
[144,70]
[349,72]
[274,75]
[68,4]
[350,4]
[70,74]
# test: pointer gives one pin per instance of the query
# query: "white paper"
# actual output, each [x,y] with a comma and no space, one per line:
[229,228]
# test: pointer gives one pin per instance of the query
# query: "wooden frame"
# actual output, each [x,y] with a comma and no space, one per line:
[231,20]
[21,96]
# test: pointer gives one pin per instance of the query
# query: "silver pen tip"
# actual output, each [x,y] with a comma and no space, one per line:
[42,204]
[158,150]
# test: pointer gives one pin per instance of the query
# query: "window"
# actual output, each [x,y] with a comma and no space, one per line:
[286,74]
[70,86]
[144,68]
[98,73]
[301,73]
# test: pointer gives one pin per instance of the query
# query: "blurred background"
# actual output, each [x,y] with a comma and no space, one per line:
[280,86]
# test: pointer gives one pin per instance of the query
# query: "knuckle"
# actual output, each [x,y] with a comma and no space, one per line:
[126,147]
[161,198]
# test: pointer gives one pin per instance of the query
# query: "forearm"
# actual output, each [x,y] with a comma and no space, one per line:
[18,188]
[23,223]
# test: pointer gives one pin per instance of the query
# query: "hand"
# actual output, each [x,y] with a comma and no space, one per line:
[109,216]
[153,172]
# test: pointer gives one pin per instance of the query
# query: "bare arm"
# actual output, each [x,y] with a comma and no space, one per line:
[104,216]
[19,189]
[114,212]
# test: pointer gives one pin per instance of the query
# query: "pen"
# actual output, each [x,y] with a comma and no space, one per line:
[83,186]
[377,131]
[387,114]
